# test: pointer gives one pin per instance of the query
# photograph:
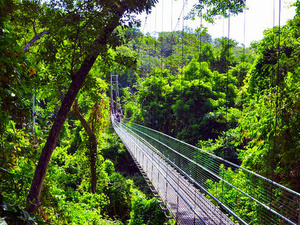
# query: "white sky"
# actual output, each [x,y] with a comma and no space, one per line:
[258,17]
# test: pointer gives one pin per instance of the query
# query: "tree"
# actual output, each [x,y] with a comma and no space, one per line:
[217,8]
[110,14]
[93,144]
[273,106]
[225,57]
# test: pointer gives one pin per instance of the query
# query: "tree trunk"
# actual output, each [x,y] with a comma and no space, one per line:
[92,144]
[99,45]
[40,172]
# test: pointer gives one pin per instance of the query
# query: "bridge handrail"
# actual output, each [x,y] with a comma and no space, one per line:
[269,208]
[217,157]
[236,188]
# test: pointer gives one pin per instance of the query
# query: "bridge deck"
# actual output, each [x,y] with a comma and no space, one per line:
[186,203]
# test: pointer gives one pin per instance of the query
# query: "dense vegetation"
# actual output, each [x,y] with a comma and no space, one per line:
[55,59]
[47,50]
[239,103]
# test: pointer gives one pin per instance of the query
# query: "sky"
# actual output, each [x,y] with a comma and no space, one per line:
[260,15]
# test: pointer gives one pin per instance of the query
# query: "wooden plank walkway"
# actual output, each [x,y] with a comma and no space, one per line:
[186,203]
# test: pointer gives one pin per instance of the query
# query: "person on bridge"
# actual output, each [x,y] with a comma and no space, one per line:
[118,116]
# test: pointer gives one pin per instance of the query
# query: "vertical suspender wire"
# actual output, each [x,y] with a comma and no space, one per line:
[171,16]
[183,5]
[222,184]
[199,59]
[276,95]
[182,38]
[149,50]
[227,100]
[200,34]
[243,72]
[269,172]
[223,34]
[150,31]
[277,79]
[161,121]
[143,41]
[272,76]
[168,157]
[271,158]
[200,47]
[155,125]
[200,73]
[145,24]
[147,47]
[155,34]
[143,38]
[244,49]
[162,30]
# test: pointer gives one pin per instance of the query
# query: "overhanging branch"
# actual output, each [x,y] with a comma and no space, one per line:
[37,37]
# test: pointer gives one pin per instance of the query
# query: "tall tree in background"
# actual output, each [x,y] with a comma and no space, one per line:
[89,27]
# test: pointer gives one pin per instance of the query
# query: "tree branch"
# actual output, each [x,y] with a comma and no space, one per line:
[93,144]
[84,123]
[37,37]
[33,25]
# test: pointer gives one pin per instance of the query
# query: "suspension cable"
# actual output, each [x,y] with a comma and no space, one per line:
[277,88]
[181,13]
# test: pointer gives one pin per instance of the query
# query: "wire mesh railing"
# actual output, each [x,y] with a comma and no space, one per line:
[247,196]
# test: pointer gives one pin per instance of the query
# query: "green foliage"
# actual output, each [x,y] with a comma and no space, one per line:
[238,103]
[16,165]
[228,143]
[146,212]
[184,107]
[118,192]
[225,57]
[207,54]
[243,206]
[274,60]
[239,72]
[66,198]
[132,109]
[297,4]
[14,215]
[109,167]
[16,75]
[218,8]
[125,56]
[211,93]
[269,125]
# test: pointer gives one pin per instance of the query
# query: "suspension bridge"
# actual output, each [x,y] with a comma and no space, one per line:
[194,186]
